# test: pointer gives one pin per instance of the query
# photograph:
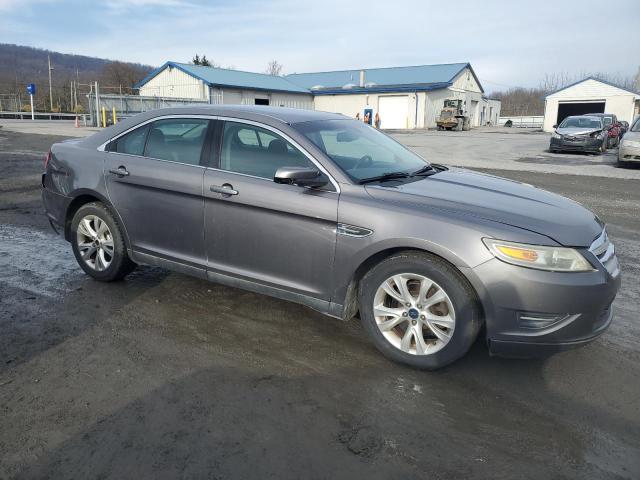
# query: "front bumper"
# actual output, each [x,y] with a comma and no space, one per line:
[530,312]
[580,143]
[627,153]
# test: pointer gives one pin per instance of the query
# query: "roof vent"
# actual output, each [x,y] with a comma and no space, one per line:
[317,87]
[348,86]
[370,84]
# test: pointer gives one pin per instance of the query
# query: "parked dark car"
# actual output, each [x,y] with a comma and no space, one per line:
[579,134]
[328,212]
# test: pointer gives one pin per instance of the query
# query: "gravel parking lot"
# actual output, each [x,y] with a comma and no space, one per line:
[167,376]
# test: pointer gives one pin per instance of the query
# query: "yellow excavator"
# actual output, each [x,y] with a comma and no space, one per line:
[452,116]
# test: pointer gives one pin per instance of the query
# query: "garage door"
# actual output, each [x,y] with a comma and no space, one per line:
[567,109]
[394,111]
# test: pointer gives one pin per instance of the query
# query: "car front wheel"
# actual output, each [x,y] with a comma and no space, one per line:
[98,243]
[419,310]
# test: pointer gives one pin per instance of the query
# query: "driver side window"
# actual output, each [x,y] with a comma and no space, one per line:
[256,151]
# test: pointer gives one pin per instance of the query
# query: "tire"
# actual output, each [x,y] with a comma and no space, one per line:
[91,248]
[602,149]
[460,297]
[622,164]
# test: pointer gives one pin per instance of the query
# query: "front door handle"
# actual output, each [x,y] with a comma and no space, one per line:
[120,171]
[225,189]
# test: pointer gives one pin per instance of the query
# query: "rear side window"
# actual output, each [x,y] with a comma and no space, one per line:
[177,139]
[132,143]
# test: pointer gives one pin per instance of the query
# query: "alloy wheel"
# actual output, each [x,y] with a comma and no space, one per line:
[414,314]
[95,242]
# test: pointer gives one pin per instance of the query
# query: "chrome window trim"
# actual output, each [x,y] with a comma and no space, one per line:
[333,181]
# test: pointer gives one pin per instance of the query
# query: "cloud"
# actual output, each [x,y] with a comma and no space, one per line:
[508,43]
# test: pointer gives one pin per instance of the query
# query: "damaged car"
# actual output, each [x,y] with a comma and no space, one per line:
[580,134]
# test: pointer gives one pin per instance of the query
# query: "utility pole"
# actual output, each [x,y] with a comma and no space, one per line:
[50,89]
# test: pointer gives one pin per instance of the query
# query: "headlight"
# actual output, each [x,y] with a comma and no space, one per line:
[630,143]
[599,134]
[557,259]
[556,135]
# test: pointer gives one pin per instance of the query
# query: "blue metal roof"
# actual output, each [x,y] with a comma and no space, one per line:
[420,77]
[405,76]
[230,78]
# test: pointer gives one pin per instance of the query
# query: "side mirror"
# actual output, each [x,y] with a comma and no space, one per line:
[301,176]
[555,126]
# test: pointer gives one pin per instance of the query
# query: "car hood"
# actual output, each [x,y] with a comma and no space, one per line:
[576,131]
[498,200]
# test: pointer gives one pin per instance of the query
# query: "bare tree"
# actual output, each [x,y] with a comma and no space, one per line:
[120,74]
[636,81]
[274,68]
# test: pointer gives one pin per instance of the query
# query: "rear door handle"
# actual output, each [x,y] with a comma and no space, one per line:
[120,171]
[225,189]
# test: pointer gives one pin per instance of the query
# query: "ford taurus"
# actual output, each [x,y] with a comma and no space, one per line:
[325,211]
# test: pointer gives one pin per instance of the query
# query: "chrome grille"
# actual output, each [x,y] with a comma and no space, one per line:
[605,252]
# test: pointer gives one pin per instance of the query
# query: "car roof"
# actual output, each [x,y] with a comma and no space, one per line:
[283,114]
[597,115]
[582,116]
[265,114]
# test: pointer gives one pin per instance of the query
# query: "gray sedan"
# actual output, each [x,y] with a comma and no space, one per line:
[580,133]
[325,211]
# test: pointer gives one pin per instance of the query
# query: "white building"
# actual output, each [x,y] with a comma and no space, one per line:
[590,96]
[404,97]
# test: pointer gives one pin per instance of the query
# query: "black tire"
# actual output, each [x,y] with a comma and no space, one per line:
[622,164]
[120,264]
[463,297]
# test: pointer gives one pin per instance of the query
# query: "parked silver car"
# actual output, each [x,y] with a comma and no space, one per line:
[580,133]
[322,210]
[629,150]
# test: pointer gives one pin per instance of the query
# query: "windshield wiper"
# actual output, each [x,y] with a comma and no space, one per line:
[384,177]
[426,170]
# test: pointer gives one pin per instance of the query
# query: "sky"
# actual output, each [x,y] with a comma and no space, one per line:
[508,43]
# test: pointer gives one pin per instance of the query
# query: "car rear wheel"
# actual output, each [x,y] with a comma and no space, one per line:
[98,243]
[419,310]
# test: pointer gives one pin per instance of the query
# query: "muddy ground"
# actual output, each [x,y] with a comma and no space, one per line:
[166,376]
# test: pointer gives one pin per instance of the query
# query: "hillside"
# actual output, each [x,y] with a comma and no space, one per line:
[20,65]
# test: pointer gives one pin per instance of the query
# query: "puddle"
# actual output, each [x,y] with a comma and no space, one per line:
[35,261]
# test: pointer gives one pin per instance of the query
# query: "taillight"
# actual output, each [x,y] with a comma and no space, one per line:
[47,158]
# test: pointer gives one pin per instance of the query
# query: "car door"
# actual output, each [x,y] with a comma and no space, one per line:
[278,235]
[154,180]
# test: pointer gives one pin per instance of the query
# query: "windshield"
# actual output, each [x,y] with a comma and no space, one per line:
[359,150]
[636,126]
[581,122]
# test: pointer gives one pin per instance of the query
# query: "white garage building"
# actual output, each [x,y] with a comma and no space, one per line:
[404,97]
[590,96]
